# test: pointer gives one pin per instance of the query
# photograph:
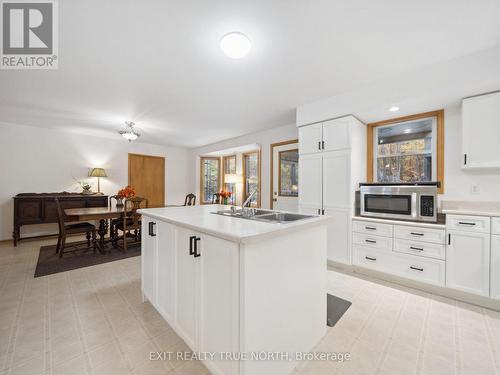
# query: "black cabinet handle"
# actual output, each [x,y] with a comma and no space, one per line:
[449,239]
[323,211]
[416,268]
[371,241]
[196,253]
[416,234]
[319,145]
[370,258]
[417,248]
[371,228]
[191,251]
[465,159]
[323,145]
[464,223]
[151,229]
[319,211]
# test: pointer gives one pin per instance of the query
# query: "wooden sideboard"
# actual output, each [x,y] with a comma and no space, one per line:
[32,208]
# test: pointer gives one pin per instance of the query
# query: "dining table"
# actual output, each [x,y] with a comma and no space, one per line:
[103,214]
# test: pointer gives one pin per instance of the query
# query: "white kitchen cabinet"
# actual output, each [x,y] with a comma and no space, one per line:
[310,139]
[149,248]
[311,181]
[187,280]
[481,131]
[338,235]
[336,174]
[165,254]
[468,262]
[495,267]
[337,134]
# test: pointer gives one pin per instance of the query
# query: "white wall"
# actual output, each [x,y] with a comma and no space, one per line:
[36,160]
[264,139]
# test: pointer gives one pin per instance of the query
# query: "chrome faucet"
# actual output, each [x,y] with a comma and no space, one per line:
[248,200]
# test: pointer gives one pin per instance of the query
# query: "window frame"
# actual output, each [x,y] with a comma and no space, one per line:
[224,172]
[202,176]
[244,173]
[370,139]
[279,174]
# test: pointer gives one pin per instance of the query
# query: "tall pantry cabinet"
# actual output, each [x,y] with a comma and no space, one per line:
[332,157]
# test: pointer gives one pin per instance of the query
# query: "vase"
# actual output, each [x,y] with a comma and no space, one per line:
[226,200]
[87,191]
[119,202]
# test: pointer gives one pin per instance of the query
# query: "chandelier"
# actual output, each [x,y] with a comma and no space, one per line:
[130,133]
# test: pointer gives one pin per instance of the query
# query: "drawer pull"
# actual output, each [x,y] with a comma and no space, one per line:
[464,223]
[416,268]
[417,248]
[370,228]
[416,234]
[370,258]
[371,241]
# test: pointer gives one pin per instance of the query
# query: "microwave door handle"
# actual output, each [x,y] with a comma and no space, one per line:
[414,210]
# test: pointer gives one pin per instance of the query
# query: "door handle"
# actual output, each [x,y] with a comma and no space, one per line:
[319,145]
[152,230]
[416,234]
[417,268]
[196,253]
[464,223]
[417,248]
[275,199]
[191,252]
[370,258]
[322,145]
[371,241]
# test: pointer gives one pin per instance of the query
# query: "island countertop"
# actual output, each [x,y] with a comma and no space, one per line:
[202,219]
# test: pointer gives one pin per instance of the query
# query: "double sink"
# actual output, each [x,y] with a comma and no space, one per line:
[267,216]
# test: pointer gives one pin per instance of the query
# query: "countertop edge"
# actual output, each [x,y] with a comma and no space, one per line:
[401,222]
[458,211]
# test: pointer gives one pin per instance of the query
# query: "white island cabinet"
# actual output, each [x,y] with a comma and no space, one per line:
[240,289]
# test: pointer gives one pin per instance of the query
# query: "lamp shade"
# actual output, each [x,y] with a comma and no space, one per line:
[232,178]
[98,172]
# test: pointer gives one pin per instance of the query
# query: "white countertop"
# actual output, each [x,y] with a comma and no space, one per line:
[200,218]
[401,222]
[471,208]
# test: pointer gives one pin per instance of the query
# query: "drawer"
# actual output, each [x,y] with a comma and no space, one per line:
[378,229]
[495,225]
[372,241]
[422,269]
[479,224]
[420,234]
[419,248]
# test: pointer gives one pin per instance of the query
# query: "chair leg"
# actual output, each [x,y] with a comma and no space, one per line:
[124,241]
[94,240]
[58,246]
[88,239]
[63,244]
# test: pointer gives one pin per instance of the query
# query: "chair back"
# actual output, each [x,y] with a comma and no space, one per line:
[60,217]
[111,197]
[190,200]
[216,198]
[131,207]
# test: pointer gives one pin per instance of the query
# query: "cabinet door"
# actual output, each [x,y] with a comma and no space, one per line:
[148,259]
[481,131]
[166,269]
[336,179]
[310,210]
[468,262]
[310,181]
[187,278]
[219,300]
[310,138]
[495,267]
[337,134]
[338,235]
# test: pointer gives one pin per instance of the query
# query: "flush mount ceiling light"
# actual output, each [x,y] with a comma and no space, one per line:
[394,108]
[130,133]
[235,45]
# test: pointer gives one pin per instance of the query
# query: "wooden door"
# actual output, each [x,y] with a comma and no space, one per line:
[146,174]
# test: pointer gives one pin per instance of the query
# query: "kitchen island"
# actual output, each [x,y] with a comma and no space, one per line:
[247,294]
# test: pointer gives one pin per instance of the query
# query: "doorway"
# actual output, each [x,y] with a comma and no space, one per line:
[285,176]
[146,174]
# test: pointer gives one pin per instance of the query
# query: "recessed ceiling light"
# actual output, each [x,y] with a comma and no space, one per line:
[235,45]
[394,108]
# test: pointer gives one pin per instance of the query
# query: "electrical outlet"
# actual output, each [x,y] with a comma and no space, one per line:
[474,189]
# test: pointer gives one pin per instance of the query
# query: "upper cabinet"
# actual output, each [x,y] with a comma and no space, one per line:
[481,131]
[331,135]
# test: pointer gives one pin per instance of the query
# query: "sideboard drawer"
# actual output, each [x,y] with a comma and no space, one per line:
[495,225]
[372,241]
[419,248]
[420,234]
[479,224]
[368,227]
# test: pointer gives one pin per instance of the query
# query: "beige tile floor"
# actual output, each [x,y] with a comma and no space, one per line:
[92,321]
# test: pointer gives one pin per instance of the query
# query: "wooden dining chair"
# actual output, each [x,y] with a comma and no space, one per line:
[111,197]
[190,200]
[79,228]
[216,198]
[131,221]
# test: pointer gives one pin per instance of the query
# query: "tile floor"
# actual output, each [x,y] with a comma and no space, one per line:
[92,321]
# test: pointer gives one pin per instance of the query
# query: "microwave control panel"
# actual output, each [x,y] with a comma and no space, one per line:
[426,205]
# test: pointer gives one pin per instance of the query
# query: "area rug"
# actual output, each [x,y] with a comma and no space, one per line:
[50,263]
[336,307]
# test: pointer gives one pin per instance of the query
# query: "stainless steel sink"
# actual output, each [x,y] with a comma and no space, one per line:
[268,216]
[282,217]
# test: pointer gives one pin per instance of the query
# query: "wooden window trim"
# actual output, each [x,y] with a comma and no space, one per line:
[271,157]
[259,157]
[439,114]
[224,159]
[279,172]
[202,159]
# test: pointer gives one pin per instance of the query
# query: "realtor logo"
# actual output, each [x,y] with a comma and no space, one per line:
[29,34]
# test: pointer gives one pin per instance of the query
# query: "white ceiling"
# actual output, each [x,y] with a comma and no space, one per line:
[158,63]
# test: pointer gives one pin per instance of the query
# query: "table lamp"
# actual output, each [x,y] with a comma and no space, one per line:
[98,172]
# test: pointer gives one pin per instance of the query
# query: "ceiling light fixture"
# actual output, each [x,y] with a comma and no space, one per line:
[394,108]
[130,133]
[235,45]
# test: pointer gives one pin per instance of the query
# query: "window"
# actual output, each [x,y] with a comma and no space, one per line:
[229,166]
[209,178]
[288,173]
[407,149]
[251,175]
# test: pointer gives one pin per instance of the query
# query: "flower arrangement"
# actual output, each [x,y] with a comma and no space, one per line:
[84,185]
[126,192]
[225,195]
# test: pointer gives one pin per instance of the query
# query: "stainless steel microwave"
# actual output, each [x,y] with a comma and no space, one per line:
[404,201]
